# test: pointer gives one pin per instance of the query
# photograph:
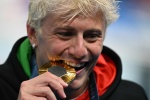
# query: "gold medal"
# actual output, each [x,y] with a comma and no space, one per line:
[60,69]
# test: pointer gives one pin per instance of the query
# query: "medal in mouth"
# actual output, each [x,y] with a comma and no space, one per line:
[60,69]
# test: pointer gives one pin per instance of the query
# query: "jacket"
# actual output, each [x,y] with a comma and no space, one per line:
[12,75]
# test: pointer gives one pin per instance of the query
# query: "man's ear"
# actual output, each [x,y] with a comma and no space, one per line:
[31,34]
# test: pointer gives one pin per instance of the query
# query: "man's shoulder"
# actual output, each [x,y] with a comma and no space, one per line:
[128,90]
[130,85]
[6,71]
[8,83]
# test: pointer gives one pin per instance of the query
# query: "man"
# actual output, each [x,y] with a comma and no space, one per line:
[72,31]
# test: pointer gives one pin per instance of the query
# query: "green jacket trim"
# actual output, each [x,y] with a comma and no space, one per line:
[24,54]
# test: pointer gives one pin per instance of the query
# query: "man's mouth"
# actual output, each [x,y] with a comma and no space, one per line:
[61,62]
[76,66]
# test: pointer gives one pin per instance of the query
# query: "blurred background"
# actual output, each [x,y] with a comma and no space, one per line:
[129,36]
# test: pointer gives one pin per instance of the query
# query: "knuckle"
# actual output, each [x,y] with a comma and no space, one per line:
[49,74]
[46,73]
[24,83]
[47,89]
[59,88]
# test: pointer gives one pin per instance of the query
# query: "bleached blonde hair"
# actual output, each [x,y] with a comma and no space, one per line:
[68,9]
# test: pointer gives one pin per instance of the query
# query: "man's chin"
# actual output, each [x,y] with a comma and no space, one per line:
[75,84]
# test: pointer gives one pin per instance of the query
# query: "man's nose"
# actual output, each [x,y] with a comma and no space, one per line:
[78,48]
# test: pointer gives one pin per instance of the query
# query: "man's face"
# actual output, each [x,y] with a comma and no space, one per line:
[78,41]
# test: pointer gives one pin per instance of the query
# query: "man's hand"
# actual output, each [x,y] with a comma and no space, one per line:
[42,87]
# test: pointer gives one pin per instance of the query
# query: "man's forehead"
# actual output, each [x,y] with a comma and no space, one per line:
[58,20]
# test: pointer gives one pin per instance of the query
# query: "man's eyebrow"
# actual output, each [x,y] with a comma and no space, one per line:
[94,30]
[64,28]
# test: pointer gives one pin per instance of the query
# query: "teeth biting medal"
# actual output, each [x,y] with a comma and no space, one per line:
[60,69]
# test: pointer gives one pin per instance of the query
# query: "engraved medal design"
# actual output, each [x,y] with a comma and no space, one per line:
[60,69]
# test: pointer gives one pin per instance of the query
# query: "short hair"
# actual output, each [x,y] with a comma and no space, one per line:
[68,9]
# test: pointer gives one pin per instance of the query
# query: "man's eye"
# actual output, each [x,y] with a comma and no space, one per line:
[64,35]
[92,37]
